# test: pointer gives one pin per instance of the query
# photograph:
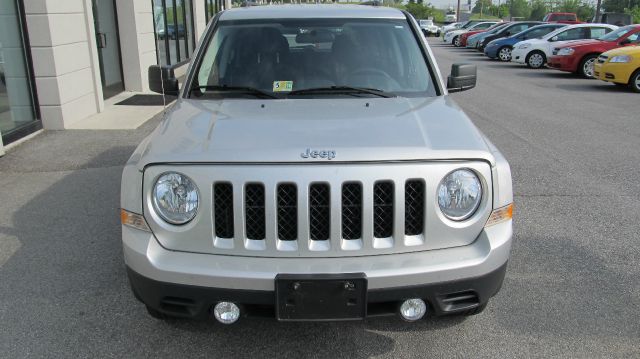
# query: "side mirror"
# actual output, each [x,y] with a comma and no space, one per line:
[625,42]
[554,39]
[508,33]
[163,80]
[463,77]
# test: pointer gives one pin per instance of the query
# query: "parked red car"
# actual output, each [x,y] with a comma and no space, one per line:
[579,56]
[466,35]
[562,17]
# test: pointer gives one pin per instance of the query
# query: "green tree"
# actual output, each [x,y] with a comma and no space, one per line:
[481,5]
[538,10]
[519,8]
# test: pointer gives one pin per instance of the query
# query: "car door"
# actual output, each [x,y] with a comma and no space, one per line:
[576,33]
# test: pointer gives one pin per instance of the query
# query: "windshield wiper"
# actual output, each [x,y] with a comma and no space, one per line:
[342,89]
[236,89]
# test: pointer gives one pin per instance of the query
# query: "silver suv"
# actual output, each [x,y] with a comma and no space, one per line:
[314,167]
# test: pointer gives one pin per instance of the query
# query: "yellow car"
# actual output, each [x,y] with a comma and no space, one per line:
[620,66]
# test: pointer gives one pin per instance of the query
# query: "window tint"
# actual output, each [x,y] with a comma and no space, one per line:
[572,34]
[598,32]
[310,53]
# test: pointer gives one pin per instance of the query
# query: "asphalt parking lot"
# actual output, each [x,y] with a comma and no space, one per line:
[572,287]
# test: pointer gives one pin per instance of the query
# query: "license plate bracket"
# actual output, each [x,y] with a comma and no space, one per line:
[321,297]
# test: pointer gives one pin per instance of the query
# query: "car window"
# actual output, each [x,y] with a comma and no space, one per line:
[615,35]
[565,17]
[483,26]
[571,34]
[598,32]
[634,38]
[300,54]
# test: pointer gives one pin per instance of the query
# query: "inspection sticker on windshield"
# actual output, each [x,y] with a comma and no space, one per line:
[282,86]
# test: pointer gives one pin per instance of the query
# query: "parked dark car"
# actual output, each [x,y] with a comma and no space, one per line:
[511,29]
[614,18]
[171,32]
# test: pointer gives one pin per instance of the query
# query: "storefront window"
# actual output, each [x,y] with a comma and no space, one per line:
[17,112]
[175,39]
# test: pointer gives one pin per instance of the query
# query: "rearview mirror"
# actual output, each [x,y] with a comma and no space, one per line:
[163,80]
[463,77]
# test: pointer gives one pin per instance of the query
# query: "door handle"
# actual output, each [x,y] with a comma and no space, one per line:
[101,40]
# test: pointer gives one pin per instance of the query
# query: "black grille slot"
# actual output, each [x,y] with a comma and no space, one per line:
[223,209]
[413,207]
[351,211]
[319,211]
[383,209]
[254,211]
[287,212]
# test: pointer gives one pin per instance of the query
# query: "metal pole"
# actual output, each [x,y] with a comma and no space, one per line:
[458,12]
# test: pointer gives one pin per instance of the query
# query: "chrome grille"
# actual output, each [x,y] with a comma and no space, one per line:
[555,50]
[383,209]
[287,212]
[254,211]
[319,212]
[602,59]
[413,207]
[352,210]
[223,210]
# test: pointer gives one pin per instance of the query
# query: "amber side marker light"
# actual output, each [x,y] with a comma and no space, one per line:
[133,220]
[500,215]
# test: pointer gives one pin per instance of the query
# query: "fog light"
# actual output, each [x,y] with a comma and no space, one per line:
[226,312]
[413,309]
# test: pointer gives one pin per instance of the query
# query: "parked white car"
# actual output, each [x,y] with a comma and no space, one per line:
[535,52]
[452,26]
[429,28]
[453,37]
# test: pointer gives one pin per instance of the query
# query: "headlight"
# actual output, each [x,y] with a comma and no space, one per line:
[566,51]
[524,46]
[459,194]
[621,59]
[175,198]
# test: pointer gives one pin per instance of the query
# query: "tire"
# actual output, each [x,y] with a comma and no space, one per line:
[156,314]
[585,69]
[504,54]
[456,41]
[634,81]
[536,60]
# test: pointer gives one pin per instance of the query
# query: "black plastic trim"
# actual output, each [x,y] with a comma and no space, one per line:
[164,297]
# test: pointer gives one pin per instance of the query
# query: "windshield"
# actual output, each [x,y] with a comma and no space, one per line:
[615,35]
[282,57]
[426,22]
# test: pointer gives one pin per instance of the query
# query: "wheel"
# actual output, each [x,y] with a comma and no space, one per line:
[536,59]
[456,41]
[156,314]
[634,81]
[504,54]
[585,69]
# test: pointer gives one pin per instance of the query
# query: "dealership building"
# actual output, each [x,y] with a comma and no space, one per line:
[61,59]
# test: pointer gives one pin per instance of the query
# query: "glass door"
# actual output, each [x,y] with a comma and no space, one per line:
[108,42]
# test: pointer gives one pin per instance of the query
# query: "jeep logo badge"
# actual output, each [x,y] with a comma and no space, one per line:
[318,154]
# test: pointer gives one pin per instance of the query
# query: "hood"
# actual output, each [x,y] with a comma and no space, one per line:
[628,50]
[267,131]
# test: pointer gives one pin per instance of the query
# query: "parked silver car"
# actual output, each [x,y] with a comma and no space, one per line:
[314,167]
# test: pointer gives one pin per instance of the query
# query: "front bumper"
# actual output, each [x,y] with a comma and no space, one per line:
[563,63]
[491,51]
[188,284]
[616,73]
[519,55]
